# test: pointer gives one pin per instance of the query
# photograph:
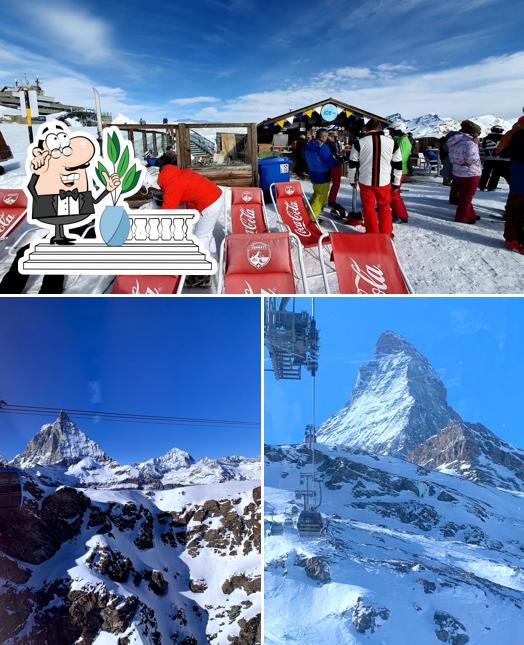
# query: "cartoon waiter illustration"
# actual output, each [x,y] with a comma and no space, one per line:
[59,183]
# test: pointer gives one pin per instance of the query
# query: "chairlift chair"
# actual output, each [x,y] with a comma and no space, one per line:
[310,524]
[10,489]
[276,528]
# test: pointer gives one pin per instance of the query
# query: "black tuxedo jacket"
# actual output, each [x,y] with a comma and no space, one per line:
[46,206]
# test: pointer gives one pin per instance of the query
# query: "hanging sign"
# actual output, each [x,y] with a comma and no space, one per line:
[329,112]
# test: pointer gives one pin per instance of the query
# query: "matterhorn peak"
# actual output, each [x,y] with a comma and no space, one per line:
[391,343]
[60,443]
[398,402]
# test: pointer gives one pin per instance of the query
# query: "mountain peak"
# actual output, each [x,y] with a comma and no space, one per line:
[60,443]
[391,343]
[398,401]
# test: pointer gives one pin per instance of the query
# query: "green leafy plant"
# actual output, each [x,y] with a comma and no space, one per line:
[119,154]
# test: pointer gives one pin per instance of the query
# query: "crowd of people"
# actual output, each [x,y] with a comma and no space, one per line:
[379,164]
[471,165]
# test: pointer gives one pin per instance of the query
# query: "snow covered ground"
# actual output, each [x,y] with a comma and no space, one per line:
[438,255]
[405,550]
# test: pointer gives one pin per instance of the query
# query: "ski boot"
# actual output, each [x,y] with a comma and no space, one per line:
[337,210]
[197,282]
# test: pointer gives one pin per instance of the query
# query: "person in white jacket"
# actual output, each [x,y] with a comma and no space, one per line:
[464,155]
[378,160]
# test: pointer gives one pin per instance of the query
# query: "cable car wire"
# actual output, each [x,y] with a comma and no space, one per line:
[32,410]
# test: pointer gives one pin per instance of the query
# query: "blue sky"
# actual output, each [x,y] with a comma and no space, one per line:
[185,357]
[475,345]
[247,60]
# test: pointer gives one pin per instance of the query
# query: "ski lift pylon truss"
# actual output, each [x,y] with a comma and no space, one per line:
[291,338]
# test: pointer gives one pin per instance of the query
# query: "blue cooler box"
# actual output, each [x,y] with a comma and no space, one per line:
[272,170]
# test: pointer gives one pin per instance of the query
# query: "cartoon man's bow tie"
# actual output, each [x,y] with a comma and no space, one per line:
[69,193]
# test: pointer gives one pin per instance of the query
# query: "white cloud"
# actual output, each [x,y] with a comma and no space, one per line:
[195,100]
[392,67]
[73,30]
[491,86]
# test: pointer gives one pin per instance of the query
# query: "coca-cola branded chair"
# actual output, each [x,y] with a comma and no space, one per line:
[296,215]
[367,263]
[13,207]
[140,284]
[248,212]
[260,263]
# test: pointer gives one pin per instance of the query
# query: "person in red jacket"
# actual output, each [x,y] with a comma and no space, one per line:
[185,186]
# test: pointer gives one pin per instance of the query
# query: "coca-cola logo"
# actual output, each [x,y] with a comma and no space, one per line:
[137,289]
[293,212]
[250,291]
[247,197]
[248,219]
[289,189]
[8,222]
[372,276]
[258,254]
[10,199]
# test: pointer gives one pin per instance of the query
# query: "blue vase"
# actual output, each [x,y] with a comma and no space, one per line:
[114,225]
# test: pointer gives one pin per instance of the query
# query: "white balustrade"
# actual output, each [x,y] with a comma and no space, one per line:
[159,228]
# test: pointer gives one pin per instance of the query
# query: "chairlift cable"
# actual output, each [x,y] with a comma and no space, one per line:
[125,417]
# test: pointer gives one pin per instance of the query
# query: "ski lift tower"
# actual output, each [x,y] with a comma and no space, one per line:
[291,338]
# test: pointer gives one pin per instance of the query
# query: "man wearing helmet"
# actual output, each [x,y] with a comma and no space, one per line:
[494,166]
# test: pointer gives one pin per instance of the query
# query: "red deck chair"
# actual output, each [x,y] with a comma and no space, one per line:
[248,212]
[294,210]
[367,263]
[260,263]
[13,207]
[141,284]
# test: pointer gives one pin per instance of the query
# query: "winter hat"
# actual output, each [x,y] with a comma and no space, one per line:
[498,129]
[168,158]
[469,127]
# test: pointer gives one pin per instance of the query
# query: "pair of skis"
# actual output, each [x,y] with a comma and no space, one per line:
[353,217]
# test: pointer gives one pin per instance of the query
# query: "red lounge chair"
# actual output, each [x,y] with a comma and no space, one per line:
[260,263]
[13,207]
[294,210]
[248,212]
[366,263]
[140,284]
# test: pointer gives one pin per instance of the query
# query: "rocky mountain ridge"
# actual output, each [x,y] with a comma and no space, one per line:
[398,401]
[61,452]
[432,125]
[178,566]
[399,407]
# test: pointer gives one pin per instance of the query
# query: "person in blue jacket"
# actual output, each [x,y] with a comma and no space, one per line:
[320,161]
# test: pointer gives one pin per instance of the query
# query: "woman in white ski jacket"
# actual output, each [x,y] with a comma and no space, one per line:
[464,155]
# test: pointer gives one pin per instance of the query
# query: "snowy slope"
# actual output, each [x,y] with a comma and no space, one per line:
[398,402]
[409,556]
[116,567]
